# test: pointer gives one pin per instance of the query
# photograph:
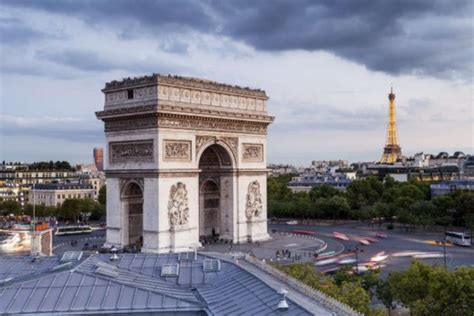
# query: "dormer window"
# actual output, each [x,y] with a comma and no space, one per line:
[130,94]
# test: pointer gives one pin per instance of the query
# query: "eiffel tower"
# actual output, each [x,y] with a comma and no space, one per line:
[392,150]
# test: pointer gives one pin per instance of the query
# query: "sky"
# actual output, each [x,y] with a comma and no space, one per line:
[326,65]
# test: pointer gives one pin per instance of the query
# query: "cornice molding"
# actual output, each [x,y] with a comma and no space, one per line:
[172,110]
[188,122]
[187,82]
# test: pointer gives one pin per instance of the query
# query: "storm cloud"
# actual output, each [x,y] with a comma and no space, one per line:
[416,37]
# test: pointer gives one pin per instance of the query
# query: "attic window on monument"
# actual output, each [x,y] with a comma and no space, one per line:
[130,93]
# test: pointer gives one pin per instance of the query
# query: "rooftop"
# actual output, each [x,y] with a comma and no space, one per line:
[180,80]
[62,186]
[142,283]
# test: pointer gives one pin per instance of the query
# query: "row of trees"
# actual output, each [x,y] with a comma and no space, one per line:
[70,209]
[355,291]
[426,290]
[406,202]
[45,165]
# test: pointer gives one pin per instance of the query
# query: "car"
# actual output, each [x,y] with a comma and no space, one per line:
[347,261]
[340,236]
[364,241]
[293,222]
[325,262]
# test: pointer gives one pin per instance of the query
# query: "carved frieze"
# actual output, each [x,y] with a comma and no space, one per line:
[176,150]
[178,210]
[232,142]
[131,124]
[201,140]
[254,204]
[184,122]
[197,123]
[252,152]
[131,151]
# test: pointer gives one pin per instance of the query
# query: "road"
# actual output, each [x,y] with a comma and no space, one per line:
[394,243]
[63,243]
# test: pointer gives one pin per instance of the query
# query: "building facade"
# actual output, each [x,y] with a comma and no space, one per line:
[95,180]
[451,186]
[186,159]
[26,177]
[54,194]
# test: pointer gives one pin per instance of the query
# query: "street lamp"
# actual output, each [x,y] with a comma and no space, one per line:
[438,242]
[356,250]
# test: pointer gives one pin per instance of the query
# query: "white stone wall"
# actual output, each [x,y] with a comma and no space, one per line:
[114,213]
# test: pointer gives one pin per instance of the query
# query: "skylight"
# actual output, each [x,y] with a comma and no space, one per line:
[170,269]
[211,265]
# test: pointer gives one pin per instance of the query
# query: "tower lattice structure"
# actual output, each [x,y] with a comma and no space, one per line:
[392,150]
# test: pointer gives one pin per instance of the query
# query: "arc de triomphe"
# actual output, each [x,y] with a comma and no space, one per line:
[186,160]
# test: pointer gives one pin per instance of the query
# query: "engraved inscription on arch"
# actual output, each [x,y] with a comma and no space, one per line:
[131,151]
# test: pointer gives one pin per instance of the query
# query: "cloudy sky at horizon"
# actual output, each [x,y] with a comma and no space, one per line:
[326,65]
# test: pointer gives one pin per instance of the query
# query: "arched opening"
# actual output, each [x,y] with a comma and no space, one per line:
[132,201]
[215,194]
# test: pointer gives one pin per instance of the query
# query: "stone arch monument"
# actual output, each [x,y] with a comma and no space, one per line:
[186,159]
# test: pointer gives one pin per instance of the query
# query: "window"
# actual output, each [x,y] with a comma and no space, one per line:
[59,196]
[130,94]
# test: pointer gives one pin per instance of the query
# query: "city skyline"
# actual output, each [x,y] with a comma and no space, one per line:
[329,82]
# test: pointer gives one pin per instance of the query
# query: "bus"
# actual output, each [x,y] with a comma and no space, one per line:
[457,238]
[73,230]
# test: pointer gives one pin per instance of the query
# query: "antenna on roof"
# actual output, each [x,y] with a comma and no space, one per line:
[283,304]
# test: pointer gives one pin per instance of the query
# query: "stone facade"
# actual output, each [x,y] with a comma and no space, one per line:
[54,194]
[194,153]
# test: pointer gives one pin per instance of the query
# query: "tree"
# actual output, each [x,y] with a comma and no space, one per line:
[277,188]
[411,191]
[347,289]
[70,209]
[409,286]
[102,198]
[433,290]
[385,294]
[364,192]
[10,207]
[339,206]
[389,182]
[323,191]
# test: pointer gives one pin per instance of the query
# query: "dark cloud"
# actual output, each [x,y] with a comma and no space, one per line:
[129,17]
[83,61]
[80,59]
[409,37]
[429,38]
[14,32]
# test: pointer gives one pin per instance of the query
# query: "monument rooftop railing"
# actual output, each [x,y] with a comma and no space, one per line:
[182,91]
